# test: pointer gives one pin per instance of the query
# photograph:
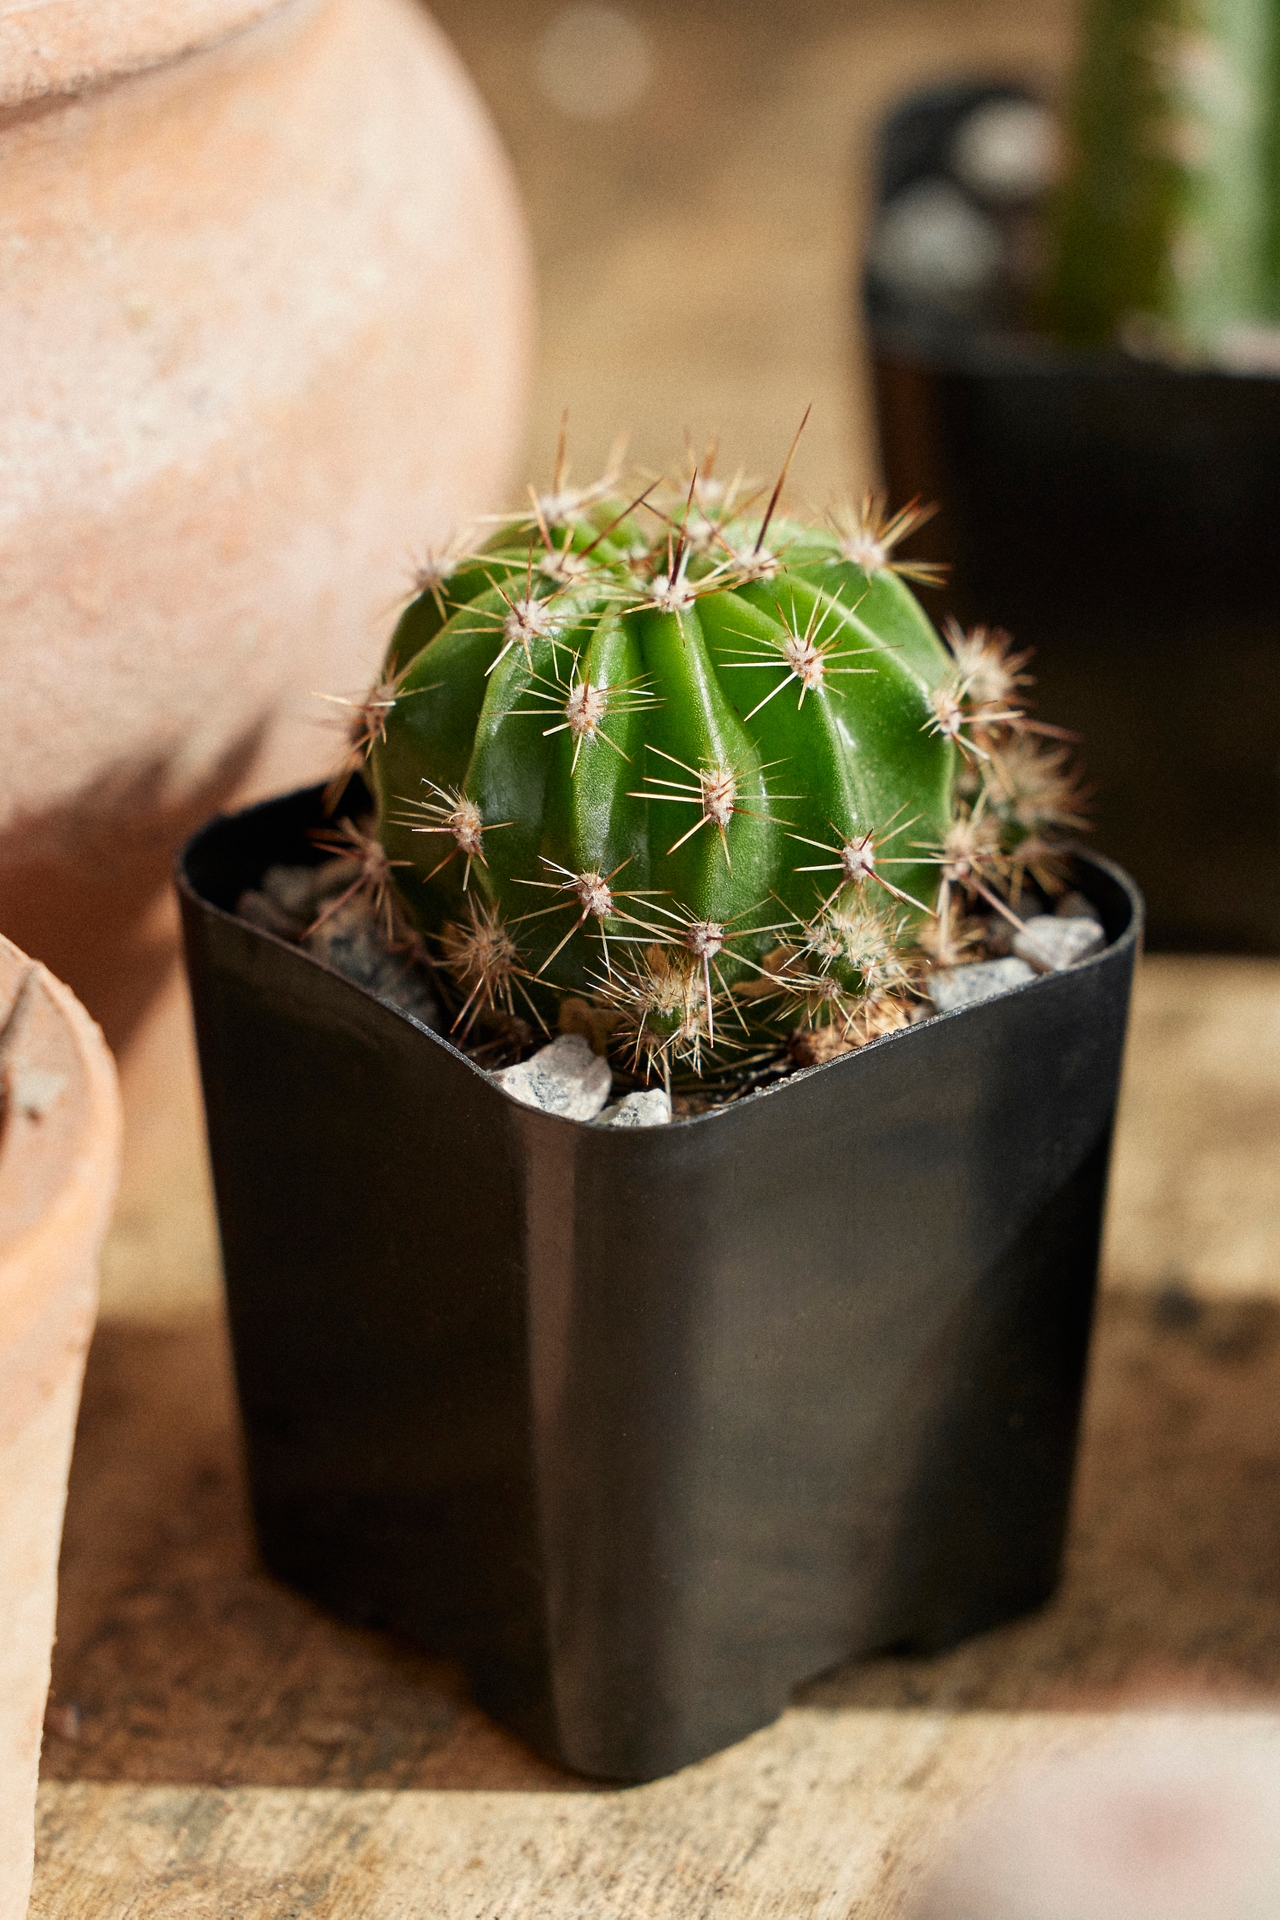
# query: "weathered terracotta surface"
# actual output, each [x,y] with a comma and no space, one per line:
[262,341]
[59,1155]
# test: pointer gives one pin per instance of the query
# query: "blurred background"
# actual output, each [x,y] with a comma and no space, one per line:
[697,178]
[701,184]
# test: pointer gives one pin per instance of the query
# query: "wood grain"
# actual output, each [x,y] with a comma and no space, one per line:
[217,1745]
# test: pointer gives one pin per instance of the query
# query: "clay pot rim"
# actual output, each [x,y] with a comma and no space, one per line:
[67,47]
[37,1257]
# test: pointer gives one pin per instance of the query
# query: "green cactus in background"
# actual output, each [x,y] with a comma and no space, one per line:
[1167,232]
[695,763]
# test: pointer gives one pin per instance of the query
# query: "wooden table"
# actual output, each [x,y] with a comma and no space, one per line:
[216,1747]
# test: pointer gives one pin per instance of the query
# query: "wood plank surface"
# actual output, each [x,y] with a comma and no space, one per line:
[824,1818]
[217,1746]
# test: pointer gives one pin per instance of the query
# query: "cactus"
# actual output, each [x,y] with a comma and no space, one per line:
[1168,224]
[694,763]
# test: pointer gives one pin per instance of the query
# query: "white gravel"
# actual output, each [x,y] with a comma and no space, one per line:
[1050,942]
[350,941]
[951,987]
[648,1109]
[564,1078]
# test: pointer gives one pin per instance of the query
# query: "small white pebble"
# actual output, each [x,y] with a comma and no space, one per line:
[930,242]
[952,987]
[1050,943]
[565,1078]
[261,911]
[1007,150]
[651,1109]
[1249,347]
[350,941]
[293,889]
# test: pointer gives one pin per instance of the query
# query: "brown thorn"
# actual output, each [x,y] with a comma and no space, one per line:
[543,528]
[782,480]
[562,444]
[639,501]
[995,901]
[673,566]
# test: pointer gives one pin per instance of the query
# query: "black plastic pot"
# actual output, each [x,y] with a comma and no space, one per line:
[648,1426]
[1120,517]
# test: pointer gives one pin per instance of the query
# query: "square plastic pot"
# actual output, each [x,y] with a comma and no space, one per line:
[1118,516]
[648,1426]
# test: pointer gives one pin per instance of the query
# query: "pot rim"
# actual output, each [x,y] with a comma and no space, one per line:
[1126,939]
[951,344]
[70,47]
[38,1258]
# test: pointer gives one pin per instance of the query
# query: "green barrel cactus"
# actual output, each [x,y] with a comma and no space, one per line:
[1168,224]
[690,762]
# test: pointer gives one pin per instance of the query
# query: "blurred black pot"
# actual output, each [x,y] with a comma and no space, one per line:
[648,1426]
[1117,515]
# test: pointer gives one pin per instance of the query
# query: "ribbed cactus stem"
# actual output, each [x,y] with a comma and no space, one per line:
[1168,227]
[693,762]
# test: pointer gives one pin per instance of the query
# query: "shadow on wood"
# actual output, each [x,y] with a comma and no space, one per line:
[179,1661]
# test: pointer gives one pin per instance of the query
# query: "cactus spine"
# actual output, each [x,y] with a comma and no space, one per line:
[1168,225]
[695,763]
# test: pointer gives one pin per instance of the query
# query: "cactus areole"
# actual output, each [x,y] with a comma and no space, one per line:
[692,762]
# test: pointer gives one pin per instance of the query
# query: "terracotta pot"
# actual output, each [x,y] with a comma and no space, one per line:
[262,342]
[59,1154]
